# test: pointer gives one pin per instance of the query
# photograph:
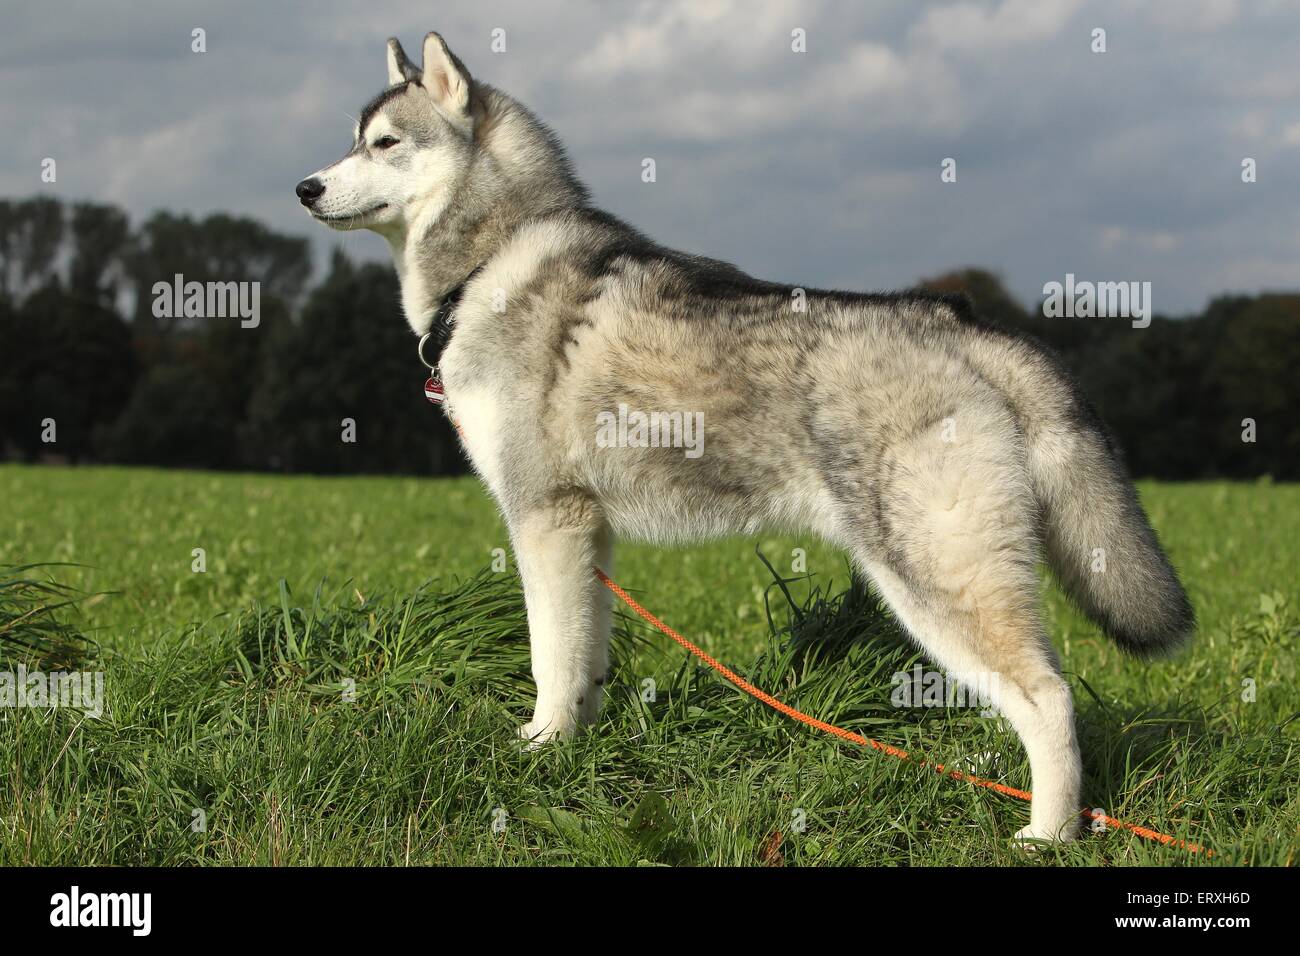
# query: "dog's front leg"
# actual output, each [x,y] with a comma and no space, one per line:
[568,626]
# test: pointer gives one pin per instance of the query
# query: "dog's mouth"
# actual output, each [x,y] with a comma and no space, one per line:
[350,216]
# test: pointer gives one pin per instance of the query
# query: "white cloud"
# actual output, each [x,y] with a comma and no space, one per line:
[1147,241]
[981,28]
[661,37]
[1192,16]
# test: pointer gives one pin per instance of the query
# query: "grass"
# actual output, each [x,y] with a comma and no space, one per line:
[342,683]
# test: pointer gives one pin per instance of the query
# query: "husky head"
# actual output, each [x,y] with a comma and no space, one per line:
[410,149]
[445,168]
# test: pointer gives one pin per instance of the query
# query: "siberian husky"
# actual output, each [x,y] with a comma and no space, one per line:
[945,456]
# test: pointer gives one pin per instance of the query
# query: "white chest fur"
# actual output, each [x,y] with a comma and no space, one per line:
[476,412]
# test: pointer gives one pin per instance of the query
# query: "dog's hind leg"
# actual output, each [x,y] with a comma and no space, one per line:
[954,554]
[568,617]
[1003,650]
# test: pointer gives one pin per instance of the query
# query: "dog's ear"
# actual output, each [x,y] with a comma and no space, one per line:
[447,80]
[400,69]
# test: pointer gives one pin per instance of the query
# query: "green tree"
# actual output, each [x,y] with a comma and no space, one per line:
[1251,372]
[349,356]
[70,361]
[219,248]
[31,235]
[101,237]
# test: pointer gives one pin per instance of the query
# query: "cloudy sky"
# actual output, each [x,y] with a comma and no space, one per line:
[817,168]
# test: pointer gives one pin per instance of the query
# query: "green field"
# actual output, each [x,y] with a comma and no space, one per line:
[363,712]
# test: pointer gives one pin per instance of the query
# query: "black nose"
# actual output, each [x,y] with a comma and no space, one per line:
[309,190]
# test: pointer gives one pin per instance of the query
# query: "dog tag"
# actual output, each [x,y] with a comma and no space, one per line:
[433,391]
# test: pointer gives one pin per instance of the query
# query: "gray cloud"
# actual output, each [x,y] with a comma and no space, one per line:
[819,168]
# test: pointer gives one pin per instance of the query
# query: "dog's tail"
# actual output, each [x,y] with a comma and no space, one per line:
[1100,544]
[1104,551]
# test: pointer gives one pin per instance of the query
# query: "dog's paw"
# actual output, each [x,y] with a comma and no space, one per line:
[535,734]
[1032,839]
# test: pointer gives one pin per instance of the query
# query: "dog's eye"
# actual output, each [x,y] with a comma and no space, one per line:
[385,142]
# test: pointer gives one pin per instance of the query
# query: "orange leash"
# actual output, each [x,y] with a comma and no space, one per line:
[849,735]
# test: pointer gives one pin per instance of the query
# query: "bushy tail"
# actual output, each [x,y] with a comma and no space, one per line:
[1101,545]
[1099,542]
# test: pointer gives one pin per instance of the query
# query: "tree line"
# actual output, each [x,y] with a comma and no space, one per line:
[327,380]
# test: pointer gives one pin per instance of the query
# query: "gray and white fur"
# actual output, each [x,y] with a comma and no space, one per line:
[946,456]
